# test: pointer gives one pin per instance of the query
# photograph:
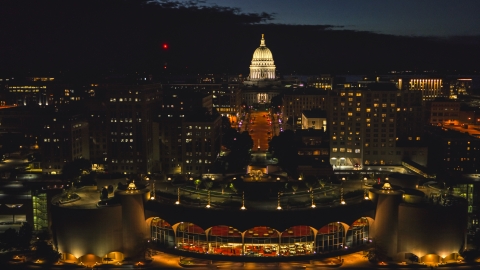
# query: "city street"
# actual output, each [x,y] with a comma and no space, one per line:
[259,126]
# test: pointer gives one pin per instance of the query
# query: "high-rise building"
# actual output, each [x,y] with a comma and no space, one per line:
[132,140]
[64,139]
[442,112]
[202,137]
[296,101]
[367,123]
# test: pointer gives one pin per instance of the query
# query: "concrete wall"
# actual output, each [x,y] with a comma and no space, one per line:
[431,229]
[386,222]
[133,221]
[87,231]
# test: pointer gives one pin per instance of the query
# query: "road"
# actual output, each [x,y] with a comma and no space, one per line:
[259,126]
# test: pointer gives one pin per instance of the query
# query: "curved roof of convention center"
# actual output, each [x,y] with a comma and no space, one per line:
[246,219]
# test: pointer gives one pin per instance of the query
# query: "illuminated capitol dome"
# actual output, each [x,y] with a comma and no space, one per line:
[262,68]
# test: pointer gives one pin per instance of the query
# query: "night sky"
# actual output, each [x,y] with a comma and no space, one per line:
[418,17]
[305,37]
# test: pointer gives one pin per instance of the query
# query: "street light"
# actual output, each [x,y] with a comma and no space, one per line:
[152,197]
[208,203]
[278,202]
[342,201]
[178,196]
[243,201]
[313,203]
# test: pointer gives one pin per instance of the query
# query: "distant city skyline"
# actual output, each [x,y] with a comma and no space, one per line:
[417,18]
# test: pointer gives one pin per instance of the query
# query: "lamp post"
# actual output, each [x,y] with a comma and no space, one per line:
[342,201]
[278,202]
[208,202]
[243,201]
[178,196]
[313,203]
[364,184]
[152,197]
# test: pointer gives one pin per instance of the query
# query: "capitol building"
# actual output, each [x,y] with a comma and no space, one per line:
[262,84]
[262,68]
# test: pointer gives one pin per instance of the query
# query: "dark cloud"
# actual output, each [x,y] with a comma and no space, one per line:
[127,35]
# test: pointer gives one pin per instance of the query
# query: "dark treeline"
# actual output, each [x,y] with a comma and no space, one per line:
[127,35]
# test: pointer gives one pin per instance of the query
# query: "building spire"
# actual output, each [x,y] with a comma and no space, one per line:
[262,42]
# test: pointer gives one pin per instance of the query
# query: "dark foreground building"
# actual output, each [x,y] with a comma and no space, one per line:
[399,220]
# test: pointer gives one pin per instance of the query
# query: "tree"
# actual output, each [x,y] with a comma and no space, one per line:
[43,250]
[240,145]
[8,239]
[376,253]
[310,181]
[179,179]
[284,148]
[232,187]
[197,183]
[74,169]
[25,236]
[223,185]
[104,194]
[207,183]
[321,182]
[294,188]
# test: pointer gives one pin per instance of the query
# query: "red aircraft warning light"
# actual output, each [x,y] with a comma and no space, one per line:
[165,46]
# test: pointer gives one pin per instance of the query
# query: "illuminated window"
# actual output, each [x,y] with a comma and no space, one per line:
[368,110]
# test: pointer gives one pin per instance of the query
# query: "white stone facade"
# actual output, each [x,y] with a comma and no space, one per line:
[262,67]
